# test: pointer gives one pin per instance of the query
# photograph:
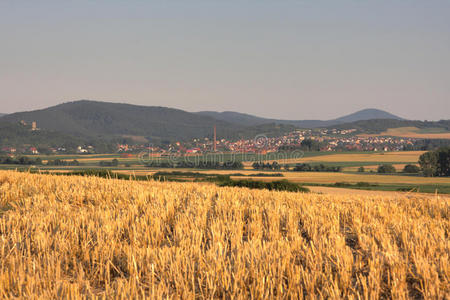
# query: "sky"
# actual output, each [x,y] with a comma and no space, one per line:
[281,59]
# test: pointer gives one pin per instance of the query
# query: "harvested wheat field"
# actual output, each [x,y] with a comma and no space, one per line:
[414,132]
[81,237]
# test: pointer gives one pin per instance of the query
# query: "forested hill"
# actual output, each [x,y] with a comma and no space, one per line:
[249,120]
[87,120]
[17,135]
[111,120]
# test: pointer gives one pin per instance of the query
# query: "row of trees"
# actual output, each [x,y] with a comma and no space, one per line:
[112,163]
[316,168]
[303,167]
[388,168]
[24,160]
[227,165]
[297,168]
[60,162]
[266,166]
[432,163]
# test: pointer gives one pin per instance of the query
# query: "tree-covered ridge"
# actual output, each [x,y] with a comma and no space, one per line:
[111,120]
[16,135]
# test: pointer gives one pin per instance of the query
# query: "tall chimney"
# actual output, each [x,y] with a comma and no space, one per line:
[215,137]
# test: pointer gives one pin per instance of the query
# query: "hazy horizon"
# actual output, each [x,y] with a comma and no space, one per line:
[284,60]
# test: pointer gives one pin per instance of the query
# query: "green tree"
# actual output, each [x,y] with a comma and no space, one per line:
[386,169]
[310,145]
[361,169]
[115,162]
[428,163]
[412,169]
[443,162]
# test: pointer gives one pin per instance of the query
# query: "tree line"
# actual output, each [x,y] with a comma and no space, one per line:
[302,167]
[27,161]
[227,165]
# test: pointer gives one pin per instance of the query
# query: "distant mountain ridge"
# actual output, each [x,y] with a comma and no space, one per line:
[250,120]
[367,114]
[86,118]
[93,118]
[89,120]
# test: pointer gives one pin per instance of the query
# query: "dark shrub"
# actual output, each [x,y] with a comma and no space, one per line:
[386,169]
[412,169]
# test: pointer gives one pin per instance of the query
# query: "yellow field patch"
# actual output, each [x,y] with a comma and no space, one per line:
[346,192]
[410,132]
[398,167]
[331,178]
[326,177]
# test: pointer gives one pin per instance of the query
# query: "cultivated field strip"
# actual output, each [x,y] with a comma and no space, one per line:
[81,237]
[382,157]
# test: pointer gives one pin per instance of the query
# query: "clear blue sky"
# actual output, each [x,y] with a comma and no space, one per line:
[285,59]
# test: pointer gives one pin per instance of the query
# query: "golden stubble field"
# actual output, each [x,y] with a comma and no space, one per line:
[81,237]
[412,132]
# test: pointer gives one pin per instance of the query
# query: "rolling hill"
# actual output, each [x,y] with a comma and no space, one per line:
[17,135]
[104,124]
[87,118]
[92,118]
[367,114]
[250,120]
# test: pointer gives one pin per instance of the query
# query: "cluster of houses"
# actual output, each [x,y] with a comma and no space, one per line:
[14,150]
[35,151]
[329,140]
[324,139]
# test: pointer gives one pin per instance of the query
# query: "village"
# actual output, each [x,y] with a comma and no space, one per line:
[301,139]
[305,140]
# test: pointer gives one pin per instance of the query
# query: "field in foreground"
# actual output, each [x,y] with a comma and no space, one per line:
[80,236]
